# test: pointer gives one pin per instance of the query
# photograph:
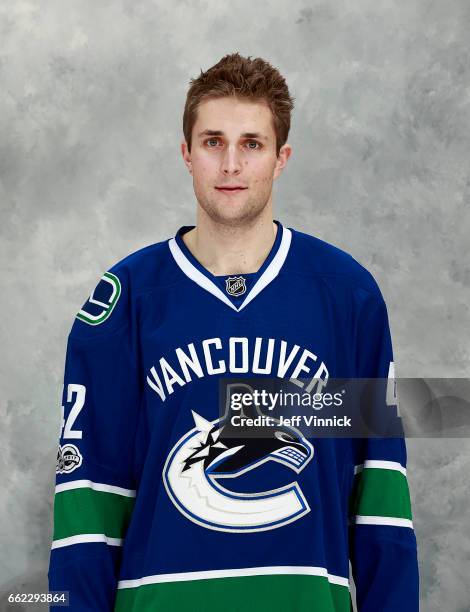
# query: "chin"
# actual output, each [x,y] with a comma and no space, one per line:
[234,215]
[228,211]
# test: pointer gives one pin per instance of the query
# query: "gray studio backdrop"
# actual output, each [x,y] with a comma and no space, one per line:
[91,101]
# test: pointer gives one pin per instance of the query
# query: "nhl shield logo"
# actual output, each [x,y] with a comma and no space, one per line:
[235,285]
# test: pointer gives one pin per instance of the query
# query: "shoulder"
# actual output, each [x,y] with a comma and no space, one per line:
[145,268]
[312,256]
[111,304]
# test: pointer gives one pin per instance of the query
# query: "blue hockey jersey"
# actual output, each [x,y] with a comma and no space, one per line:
[154,510]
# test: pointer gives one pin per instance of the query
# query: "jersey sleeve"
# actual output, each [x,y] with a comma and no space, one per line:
[383,549]
[96,479]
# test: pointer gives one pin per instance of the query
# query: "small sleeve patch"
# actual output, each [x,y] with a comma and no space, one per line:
[69,459]
[102,300]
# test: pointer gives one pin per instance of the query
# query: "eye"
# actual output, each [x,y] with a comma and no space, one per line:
[211,140]
[255,142]
[283,436]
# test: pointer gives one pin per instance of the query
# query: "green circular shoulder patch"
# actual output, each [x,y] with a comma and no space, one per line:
[102,301]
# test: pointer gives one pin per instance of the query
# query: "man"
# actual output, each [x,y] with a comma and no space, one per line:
[156,507]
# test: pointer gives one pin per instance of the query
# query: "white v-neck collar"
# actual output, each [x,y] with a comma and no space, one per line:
[272,270]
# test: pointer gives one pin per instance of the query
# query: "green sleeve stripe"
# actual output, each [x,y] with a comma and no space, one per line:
[87,511]
[380,492]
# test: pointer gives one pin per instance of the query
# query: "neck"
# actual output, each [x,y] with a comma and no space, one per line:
[225,249]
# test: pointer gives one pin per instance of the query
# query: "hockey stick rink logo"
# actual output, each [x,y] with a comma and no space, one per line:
[203,455]
[102,301]
[235,285]
[69,459]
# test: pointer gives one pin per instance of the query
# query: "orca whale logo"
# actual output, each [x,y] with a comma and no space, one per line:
[203,455]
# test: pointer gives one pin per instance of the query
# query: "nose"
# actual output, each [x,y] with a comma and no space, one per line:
[231,162]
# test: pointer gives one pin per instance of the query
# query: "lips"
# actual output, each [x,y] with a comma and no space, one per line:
[235,188]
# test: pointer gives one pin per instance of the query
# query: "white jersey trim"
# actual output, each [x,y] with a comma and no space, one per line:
[382,465]
[96,486]
[381,520]
[233,573]
[203,281]
[86,538]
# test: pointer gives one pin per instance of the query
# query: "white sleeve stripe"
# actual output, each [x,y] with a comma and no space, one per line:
[382,465]
[381,520]
[234,573]
[86,538]
[96,486]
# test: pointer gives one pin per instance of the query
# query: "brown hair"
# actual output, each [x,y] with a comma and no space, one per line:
[241,77]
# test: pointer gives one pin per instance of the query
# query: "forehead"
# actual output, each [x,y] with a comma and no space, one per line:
[233,116]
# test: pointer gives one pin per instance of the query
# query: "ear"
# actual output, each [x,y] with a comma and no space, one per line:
[186,156]
[284,153]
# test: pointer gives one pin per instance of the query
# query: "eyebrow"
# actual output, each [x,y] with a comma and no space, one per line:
[220,133]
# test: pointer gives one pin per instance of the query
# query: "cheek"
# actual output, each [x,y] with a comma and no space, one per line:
[202,174]
[204,170]
[263,176]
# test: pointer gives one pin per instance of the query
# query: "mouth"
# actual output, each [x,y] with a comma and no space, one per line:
[230,189]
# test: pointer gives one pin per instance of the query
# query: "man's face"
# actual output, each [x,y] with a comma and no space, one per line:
[234,145]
